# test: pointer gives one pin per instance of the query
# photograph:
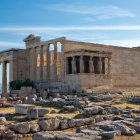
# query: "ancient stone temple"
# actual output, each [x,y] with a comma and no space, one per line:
[76,65]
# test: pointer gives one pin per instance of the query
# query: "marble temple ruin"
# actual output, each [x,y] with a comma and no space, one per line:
[77,65]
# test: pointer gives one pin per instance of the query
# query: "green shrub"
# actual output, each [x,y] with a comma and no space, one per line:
[17,84]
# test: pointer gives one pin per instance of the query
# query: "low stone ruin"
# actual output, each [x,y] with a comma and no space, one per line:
[95,116]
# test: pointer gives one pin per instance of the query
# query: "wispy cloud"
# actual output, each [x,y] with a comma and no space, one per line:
[77,33]
[99,12]
[70,28]
[11,44]
[124,43]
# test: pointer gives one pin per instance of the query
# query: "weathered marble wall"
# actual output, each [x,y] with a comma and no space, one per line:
[125,64]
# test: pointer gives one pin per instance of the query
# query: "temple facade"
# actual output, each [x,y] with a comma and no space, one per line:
[66,64]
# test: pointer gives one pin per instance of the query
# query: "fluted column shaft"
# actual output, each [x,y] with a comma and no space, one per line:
[73,65]
[35,63]
[41,63]
[48,61]
[4,78]
[67,66]
[106,65]
[109,65]
[55,60]
[100,65]
[91,66]
[11,70]
[81,64]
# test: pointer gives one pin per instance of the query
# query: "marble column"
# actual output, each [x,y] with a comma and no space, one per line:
[91,66]
[48,62]
[34,63]
[73,65]
[11,63]
[28,63]
[109,65]
[81,64]
[55,60]
[41,62]
[100,65]
[67,66]
[4,78]
[106,65]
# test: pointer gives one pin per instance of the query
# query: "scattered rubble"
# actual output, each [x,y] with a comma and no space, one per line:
[94,119]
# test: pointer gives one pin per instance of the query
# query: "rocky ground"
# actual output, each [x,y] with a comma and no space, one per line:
[73,116]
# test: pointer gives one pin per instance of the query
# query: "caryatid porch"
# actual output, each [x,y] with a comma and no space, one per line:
[86,61]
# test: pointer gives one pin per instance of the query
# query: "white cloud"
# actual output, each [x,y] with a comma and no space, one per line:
[124,43]
[70,28]
[100,12]
[77,33]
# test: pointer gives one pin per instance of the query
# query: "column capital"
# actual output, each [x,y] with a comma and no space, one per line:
[41,46]
[55,43]
[100,58]
[73,57]
[91,57]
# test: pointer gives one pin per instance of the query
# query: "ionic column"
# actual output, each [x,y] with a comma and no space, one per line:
[91,66]
[109,65]
[106,65]
[48,62]
[4,78]
[41,63]
[11,70]
[55,60]
[73,65]
[67,66]
[100,65]
[34,63]
[28,63]
[81,64]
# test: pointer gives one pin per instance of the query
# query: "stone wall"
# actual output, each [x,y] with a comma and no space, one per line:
[21,65]
[83,81]
[125,64]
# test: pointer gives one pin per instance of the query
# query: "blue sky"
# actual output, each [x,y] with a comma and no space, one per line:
[112,22]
